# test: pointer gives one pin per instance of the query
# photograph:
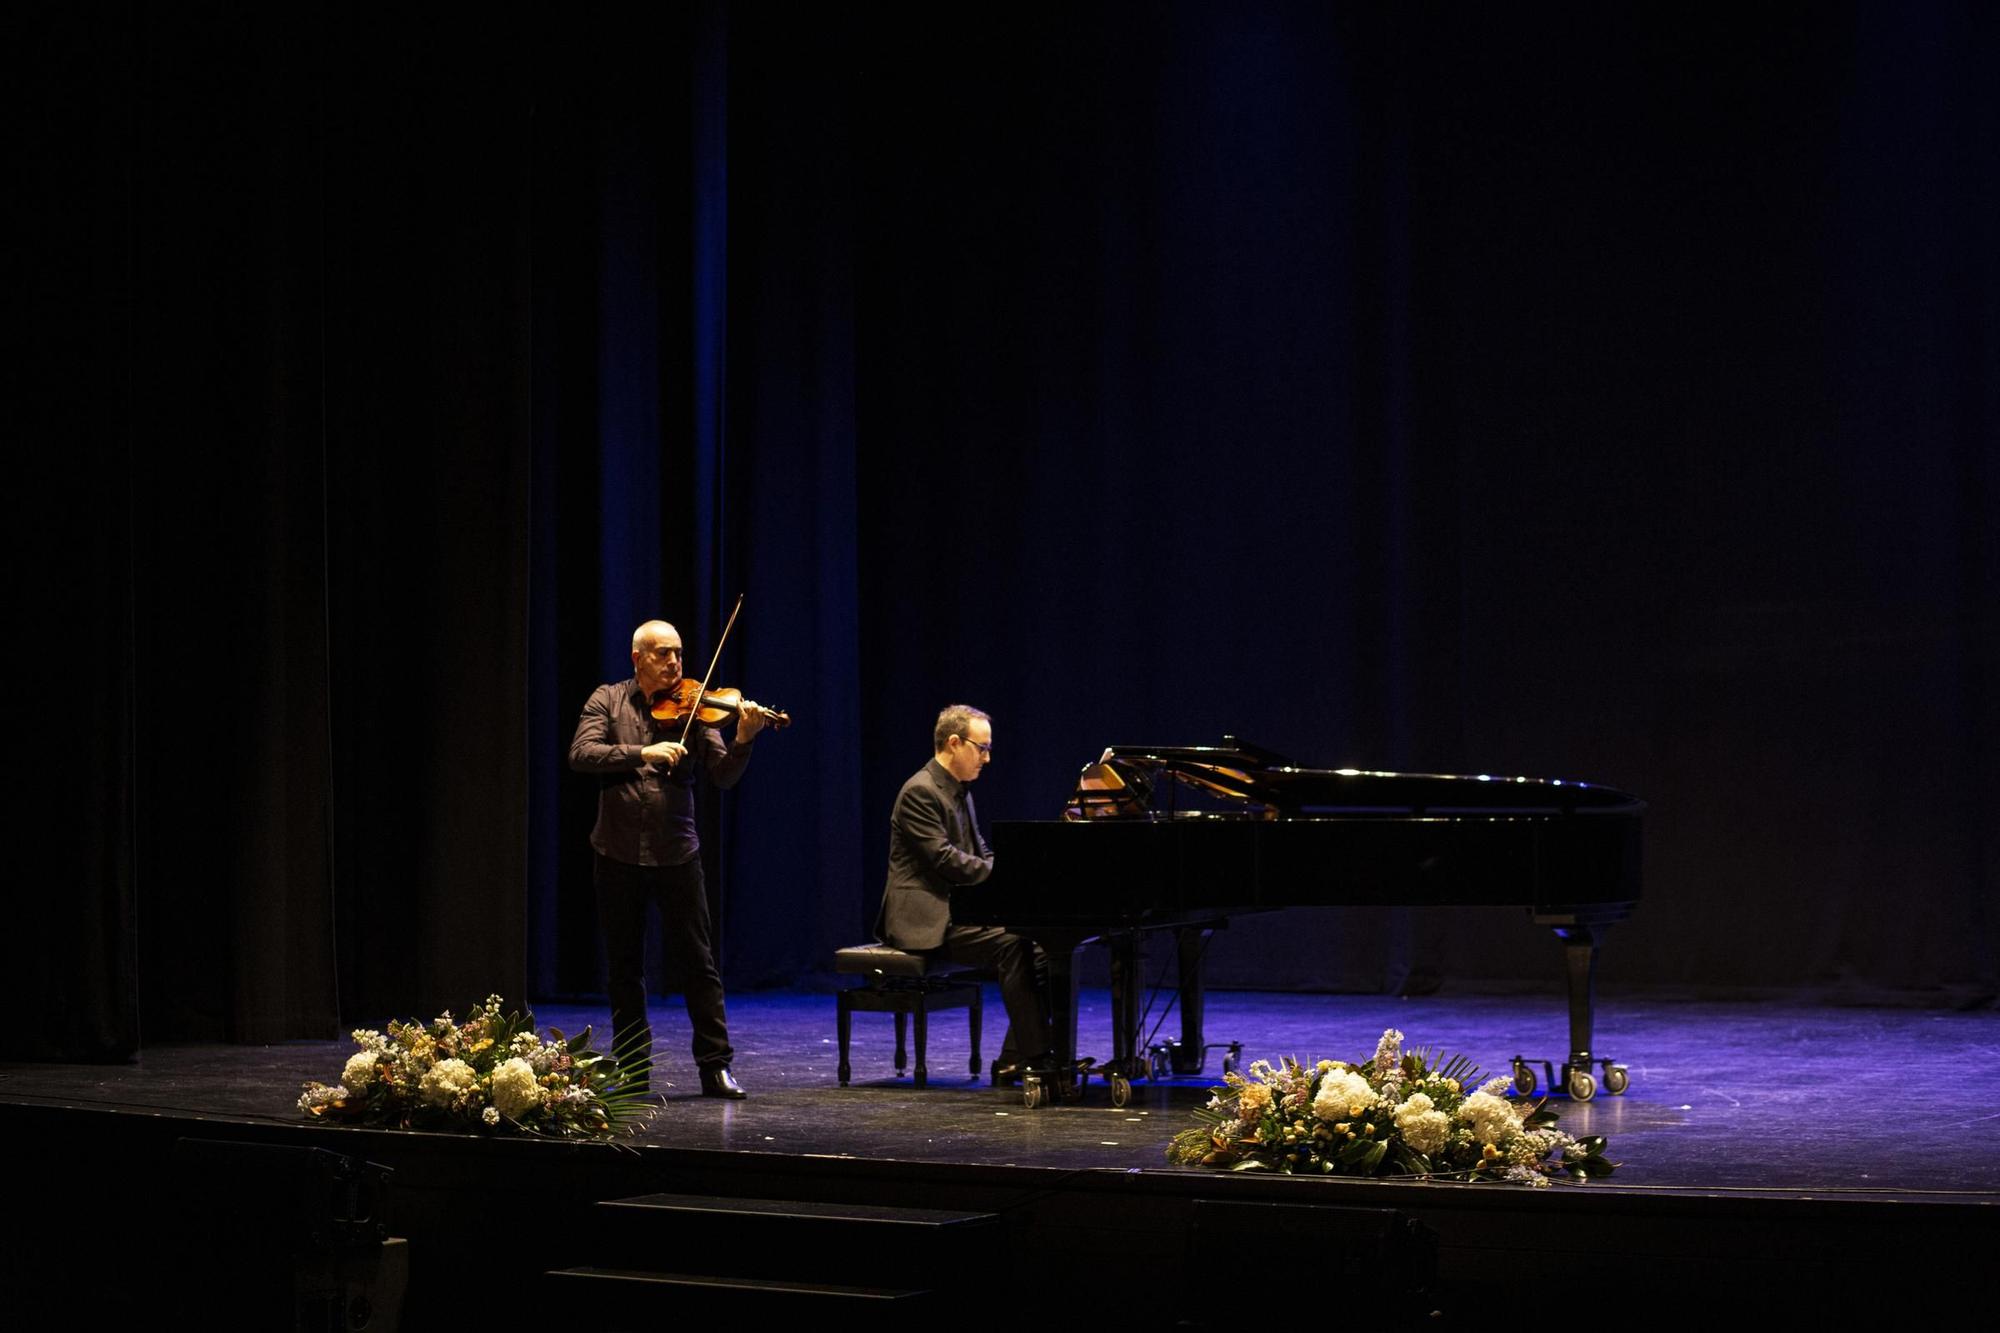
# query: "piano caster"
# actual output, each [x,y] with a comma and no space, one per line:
[1575,1082]
[1046,1087]
[1160,1061]
[1121,1090]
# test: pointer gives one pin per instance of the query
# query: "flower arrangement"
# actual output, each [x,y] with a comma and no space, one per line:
[490,1072]
[1397,1113]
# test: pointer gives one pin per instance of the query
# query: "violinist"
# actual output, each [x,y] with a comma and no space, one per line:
[646,851]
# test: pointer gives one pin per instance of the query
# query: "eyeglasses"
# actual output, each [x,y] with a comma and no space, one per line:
[985,748]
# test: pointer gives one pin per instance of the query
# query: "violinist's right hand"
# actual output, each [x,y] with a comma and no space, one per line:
[664,754]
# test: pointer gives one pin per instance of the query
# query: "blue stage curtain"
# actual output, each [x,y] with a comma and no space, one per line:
[1567,392]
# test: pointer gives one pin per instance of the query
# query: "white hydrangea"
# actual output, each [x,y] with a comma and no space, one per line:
[1343,1094]
[1496,1087]
[448,1081]
[515,1091]
[1491,1119]
[370,1040]
[1424,1127]
[360,1070]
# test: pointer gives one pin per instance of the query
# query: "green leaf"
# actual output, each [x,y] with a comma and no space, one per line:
[1250,1164]
[1413,1161]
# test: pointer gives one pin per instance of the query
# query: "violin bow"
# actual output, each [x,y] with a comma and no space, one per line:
[687,727]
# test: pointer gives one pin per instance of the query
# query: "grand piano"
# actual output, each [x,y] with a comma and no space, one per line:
[1182,838]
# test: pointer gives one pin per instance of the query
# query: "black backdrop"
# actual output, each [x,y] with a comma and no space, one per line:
[1560,391]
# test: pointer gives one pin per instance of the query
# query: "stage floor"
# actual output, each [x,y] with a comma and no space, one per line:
[1778,1099]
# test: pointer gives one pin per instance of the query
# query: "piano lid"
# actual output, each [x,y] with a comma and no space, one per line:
[1243,781]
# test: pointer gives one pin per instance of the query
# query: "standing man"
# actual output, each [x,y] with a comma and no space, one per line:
[647,852]
[934,844]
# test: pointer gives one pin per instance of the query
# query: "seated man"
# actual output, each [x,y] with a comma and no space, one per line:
[934,844]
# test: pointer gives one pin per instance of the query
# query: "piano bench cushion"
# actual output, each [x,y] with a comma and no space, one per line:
[885,961]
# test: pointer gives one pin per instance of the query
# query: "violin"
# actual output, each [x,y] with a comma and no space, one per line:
[689,701]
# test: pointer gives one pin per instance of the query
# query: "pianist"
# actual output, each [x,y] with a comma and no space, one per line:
[934,844]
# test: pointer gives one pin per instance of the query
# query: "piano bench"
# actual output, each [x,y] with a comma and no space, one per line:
[903,984]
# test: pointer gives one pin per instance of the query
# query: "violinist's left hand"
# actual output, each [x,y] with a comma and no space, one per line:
[749,721]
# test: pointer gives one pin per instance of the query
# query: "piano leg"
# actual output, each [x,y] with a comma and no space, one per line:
[1580,967]
[1061,950]
[1580,933]
[1128,965]
[1192,942]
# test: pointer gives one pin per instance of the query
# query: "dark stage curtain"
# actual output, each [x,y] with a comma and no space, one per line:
[695,428]
[1561,391]
[276,463]
[1422,390]
[1552,392]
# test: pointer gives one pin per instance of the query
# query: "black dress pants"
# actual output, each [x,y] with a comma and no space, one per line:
[623,894]
[1023,978]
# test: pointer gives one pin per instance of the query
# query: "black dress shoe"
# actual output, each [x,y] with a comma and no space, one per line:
[719,1082]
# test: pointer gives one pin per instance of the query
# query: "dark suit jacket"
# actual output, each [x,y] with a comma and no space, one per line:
[934,844]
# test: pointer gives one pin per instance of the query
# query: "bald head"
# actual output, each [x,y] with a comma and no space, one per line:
[656,656]
[652,632]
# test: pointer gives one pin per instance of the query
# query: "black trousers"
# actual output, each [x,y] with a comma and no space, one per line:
[1023,978]
[623,894]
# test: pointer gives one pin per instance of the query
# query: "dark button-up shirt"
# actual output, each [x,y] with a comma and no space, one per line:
[645,815]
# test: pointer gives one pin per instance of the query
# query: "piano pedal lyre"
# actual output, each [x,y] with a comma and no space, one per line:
[1576,1081]
[1164,1059]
